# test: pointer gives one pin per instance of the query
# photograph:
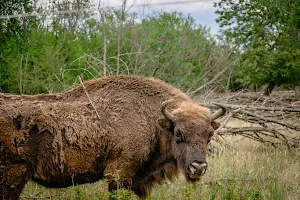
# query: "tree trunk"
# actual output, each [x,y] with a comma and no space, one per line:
[269,89]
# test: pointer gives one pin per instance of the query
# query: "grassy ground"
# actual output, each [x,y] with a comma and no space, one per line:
[247,171]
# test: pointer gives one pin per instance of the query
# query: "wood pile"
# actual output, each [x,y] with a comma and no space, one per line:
[273,119]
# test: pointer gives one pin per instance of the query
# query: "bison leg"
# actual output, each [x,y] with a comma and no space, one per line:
[146,178]
[13,178]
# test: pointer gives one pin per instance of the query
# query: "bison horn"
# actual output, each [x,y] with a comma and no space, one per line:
[163,110]
[219,112]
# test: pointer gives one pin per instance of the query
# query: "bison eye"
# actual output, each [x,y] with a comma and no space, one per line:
[179,136]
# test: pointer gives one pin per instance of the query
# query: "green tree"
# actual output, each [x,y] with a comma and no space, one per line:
[53,54]
[268,35]
[35,52]
[14,33]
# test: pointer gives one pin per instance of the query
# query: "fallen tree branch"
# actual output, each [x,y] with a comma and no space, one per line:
[235,130]
[291,126]
[255,97]
[270,119]
[283,109]
[250,119]
[242,108]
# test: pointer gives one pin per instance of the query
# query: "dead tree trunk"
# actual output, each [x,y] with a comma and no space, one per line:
[269,89]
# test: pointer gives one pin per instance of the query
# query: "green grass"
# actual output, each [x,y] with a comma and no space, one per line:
[249,171]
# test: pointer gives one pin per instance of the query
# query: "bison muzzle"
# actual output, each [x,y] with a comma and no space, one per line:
[133,131]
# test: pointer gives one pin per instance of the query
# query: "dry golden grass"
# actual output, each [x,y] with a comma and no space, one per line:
[248,170]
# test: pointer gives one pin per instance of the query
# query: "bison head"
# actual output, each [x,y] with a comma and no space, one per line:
[192,127]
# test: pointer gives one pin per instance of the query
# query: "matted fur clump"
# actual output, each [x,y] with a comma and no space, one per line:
[111,127]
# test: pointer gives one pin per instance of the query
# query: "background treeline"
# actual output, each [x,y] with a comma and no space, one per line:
[267,33]
[48,53]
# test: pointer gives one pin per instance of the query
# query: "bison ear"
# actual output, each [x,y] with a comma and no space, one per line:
[166,124]
[215,124]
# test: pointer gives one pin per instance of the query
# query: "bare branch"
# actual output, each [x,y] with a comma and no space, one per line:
[266,120]
[291,126]
[235,130]
[283,109]
[212,80]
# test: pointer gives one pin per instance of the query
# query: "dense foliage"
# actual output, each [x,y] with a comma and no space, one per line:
[59,48]
[48,53]
[13,35]
[268,35]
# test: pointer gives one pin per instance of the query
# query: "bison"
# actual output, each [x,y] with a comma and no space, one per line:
[134,131]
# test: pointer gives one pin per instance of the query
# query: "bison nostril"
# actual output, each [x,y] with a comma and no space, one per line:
[199,166]
[197,169]
[192,169]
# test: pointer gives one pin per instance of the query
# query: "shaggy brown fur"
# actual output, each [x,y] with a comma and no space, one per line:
[58,139]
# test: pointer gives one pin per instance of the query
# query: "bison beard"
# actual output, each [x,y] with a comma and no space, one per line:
[133,129]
